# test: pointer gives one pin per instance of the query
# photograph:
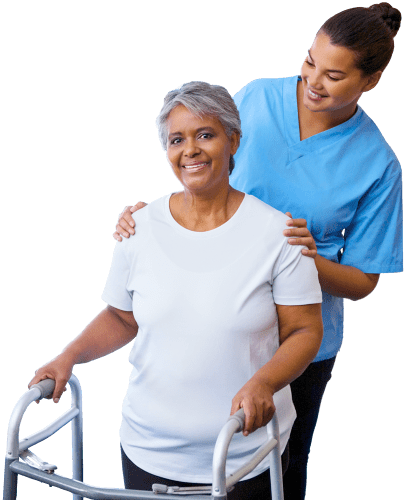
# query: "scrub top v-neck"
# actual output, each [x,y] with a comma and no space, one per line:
[345,181]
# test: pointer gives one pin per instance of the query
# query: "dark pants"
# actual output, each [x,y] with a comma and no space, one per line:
[257,488]
[307,391]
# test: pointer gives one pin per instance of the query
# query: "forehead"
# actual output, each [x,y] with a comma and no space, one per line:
[181,120]
[332,56]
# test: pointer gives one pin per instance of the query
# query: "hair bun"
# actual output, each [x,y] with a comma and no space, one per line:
[391,16]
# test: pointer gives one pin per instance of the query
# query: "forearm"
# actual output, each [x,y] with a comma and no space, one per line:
[291,359]
[105,334]
[344,281]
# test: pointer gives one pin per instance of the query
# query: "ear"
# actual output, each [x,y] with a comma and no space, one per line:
[372,81]
[234,141]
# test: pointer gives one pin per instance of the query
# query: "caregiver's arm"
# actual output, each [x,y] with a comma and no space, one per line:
[109,331]
[301,332]
[336,279]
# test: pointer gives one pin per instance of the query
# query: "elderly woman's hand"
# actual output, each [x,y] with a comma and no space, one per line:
[59,370]
[256,398]
[125,224]
[300,235]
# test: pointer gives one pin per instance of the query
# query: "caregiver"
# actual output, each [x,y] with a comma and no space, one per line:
[309,149]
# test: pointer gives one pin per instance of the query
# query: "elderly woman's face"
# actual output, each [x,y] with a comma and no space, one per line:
[199,150]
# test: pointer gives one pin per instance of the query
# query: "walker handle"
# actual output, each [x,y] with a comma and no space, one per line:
[239,416]
[46,387]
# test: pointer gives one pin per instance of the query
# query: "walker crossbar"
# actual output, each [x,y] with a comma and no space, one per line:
[80,490]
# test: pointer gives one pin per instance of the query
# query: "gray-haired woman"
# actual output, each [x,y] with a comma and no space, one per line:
[228,312]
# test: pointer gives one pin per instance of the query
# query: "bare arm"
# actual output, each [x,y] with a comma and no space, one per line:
[344,281]
[336,279]
[109,331]
[301,332]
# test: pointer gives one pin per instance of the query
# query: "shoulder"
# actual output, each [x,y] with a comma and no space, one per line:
[262,87]
[153,210]
[144,219]
[264,213]
[376,150]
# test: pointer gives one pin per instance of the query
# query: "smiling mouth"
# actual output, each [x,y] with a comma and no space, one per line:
[196,166]
[315,96]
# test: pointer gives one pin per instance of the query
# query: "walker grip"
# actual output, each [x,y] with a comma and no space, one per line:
[46,387]
[239,416]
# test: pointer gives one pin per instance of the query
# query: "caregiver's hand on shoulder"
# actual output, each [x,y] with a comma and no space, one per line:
[300,235]
[125,224]
[256,398]
[59,370]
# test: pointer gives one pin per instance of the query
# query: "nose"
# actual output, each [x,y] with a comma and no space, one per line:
[314,79]
[191,148]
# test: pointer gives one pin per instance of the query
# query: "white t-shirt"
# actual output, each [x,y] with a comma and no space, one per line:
[205,306]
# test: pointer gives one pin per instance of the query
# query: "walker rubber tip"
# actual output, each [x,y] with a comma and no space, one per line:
[159,488]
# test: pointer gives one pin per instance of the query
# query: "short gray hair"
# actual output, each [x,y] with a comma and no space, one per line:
[201,98]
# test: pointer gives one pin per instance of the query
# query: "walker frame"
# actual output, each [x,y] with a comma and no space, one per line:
[20,449]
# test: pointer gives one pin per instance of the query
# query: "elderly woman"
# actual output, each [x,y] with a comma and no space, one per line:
[228,312]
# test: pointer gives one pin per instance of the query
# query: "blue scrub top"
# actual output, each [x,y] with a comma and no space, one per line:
[345,181]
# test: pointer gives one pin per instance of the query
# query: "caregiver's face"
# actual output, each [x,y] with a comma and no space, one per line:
[331,81]
[198,149]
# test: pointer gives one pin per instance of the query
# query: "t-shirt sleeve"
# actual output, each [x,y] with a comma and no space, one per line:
[295,279]
[116,293]
[373,242]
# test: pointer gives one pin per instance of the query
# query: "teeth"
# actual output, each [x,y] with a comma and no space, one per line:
[312,94]
[194,166]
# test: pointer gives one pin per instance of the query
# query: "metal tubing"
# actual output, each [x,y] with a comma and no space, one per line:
[77,433]
[277,492]
[49,430]
[12,450]
[87,491]
[10,481]
[219,486]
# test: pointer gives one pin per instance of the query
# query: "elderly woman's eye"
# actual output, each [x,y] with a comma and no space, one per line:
[206,135]
[176,140]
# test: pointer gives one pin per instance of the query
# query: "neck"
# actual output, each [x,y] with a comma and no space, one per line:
[205,211]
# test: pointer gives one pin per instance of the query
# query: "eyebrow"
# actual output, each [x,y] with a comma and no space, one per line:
[329,70]
[209,129]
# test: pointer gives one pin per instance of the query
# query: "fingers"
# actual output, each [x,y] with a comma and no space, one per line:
[125,224]
[257,413]
[297,232]
[60,388]
[309,253]
[59,370]
[138,206]
[288,214]
[117,236]
[296,222]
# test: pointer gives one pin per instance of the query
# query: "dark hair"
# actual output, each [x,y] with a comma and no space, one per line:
[368,32]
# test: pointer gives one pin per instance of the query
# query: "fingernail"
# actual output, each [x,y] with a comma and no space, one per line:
[289,222]
[56,400]
[286,232]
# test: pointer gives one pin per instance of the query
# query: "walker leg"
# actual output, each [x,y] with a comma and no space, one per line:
[10,481]
[276,476]
[77,434]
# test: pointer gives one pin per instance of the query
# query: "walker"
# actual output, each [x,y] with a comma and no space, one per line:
[20,460]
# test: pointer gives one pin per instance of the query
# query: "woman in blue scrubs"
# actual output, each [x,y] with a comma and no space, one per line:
[309,149]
